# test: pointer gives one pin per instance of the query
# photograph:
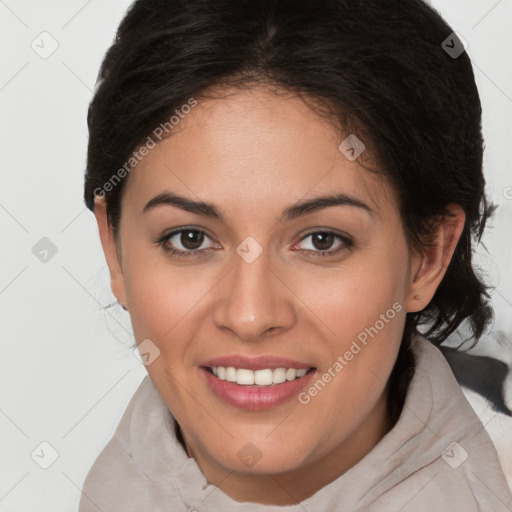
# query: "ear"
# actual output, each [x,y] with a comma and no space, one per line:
[110,249]
[429,268]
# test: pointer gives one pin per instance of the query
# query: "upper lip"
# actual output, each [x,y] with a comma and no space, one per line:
[256,363]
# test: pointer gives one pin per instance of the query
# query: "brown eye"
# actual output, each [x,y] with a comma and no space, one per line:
[191,239]
[323,241]
[185,242]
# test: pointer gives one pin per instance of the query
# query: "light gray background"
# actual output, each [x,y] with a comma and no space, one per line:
[67,372]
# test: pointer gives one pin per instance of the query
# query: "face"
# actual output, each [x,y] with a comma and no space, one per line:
[260,282]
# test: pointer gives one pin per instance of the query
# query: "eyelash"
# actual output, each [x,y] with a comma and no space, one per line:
[347,243]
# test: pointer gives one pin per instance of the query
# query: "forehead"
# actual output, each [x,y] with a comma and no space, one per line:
[251,146]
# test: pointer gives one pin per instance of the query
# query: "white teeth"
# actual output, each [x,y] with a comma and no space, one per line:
[265,377]
[291,373]
[279,375]
[244,376]
[231,374]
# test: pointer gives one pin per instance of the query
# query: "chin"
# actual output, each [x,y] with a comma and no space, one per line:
[258,459]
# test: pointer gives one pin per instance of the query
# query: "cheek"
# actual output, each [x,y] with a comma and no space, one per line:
[162,297]
[361,309]
[354,296]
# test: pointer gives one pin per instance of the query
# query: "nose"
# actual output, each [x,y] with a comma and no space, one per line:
[254,300]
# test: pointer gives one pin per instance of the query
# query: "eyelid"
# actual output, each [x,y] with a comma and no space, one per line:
[165,238]
[346,241]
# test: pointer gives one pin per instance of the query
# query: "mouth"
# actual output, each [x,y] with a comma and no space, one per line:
[257,378]
[259,389]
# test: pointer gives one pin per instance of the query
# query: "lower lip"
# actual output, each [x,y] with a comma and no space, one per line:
[256,398]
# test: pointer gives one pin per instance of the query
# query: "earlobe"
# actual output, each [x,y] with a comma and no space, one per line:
[110,250]
[429,268]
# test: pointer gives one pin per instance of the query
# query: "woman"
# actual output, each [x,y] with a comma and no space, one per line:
[286,191]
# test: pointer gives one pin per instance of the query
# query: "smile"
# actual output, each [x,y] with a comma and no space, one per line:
[256,390]
[264,377]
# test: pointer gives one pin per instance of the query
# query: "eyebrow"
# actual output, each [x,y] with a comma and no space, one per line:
[290,213]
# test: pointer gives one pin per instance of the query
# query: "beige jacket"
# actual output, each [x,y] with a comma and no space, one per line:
[437,458]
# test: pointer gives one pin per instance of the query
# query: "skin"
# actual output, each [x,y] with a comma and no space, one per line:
[252,154]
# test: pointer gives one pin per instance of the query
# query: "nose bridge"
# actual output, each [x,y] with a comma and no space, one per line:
[253,300]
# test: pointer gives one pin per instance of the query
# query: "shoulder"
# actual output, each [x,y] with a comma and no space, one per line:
[457,463]
[123,475]
[112,476]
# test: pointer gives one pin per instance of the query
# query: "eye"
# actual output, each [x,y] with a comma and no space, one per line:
[188,242]
[322,241]
[184,242]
